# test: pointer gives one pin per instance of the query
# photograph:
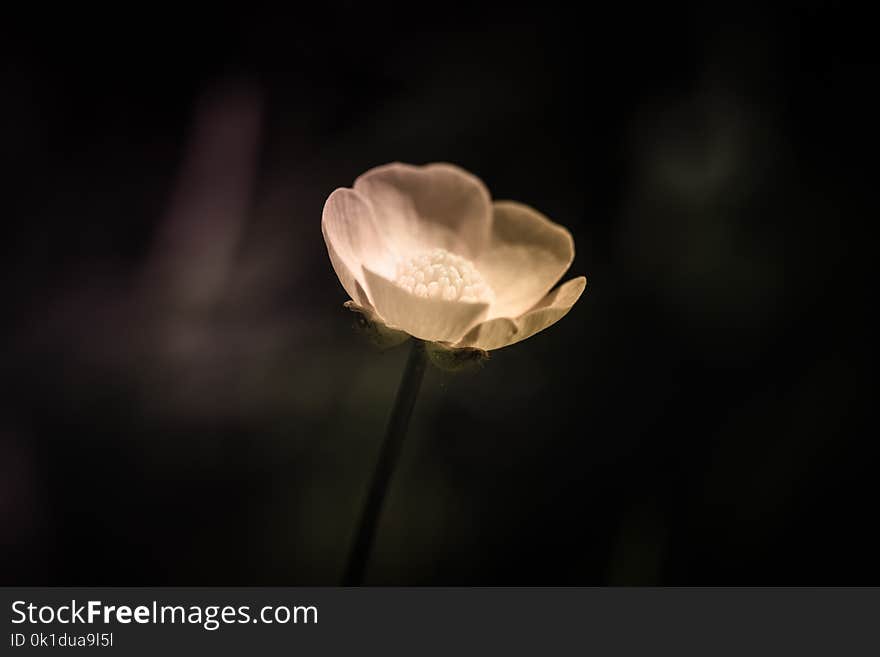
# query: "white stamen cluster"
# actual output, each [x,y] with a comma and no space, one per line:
[439,274]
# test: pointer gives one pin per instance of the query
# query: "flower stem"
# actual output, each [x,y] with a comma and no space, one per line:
[388,456]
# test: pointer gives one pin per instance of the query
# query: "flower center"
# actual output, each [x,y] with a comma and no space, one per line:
[439,274]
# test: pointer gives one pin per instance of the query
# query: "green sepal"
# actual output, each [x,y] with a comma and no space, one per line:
[371,326]
[450,359]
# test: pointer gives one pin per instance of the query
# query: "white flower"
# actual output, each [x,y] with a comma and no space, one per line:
[424,250]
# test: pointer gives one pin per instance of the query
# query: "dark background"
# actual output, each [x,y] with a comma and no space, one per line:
[185,399]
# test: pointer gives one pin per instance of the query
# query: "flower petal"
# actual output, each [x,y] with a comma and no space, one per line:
[419,208]
[526,256]
[428,319]
[352,239]
[504,331]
